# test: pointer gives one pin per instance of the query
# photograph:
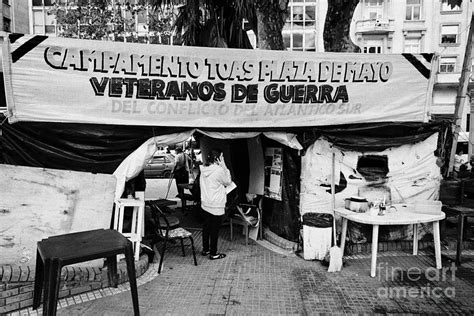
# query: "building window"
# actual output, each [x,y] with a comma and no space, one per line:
[449,34]
[412,45]
[373,47]
[413,12]
[447,64]
[373,9]
[299,32]
[6,25]
[38,21]
[447,8]
[40,3]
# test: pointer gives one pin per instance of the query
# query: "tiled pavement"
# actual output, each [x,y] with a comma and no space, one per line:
[255,280]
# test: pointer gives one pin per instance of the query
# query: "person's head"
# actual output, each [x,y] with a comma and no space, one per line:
[179,150]
[213,156]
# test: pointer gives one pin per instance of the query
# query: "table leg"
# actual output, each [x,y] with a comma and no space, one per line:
[39,279]
[112,270]
[54,276]
[437,244]
[375,242]
[132,277]
[460,237]
[415,239]
[343,234]
[47,284]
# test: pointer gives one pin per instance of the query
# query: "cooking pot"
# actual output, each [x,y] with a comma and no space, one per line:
[357,204]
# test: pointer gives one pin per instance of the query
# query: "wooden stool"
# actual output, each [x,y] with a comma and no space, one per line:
[462,213]
[138,220]
[55,252]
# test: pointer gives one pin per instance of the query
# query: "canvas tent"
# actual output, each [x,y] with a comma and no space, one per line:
[106,101]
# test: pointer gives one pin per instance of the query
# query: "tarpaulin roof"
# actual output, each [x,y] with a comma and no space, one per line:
[372,137]
[94,147]
[102,148]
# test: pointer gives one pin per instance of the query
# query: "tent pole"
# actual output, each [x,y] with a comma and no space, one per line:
[333,194]
[333,184]
[461,95]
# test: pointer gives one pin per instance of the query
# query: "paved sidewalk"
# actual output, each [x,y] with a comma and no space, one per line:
[255,280]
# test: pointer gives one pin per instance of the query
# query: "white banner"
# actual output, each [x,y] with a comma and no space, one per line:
[52,79]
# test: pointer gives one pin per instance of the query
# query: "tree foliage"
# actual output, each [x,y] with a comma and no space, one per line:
[220,23]
[109,20]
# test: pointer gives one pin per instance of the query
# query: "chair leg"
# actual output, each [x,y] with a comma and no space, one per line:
[182,246]
[112,270]
[162,255]
[246,234]
[460,237]
[231,229]
[132,278]
[39,279]
[194,251]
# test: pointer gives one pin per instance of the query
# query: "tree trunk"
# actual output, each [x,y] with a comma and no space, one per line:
[271,16]
[337,26]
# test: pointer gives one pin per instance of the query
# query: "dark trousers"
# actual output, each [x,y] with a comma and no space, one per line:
[181,177]
[210,232]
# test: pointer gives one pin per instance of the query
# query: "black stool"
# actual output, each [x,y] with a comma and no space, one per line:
[55,252]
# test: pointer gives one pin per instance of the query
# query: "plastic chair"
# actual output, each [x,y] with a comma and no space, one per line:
[167,231]
[247,215]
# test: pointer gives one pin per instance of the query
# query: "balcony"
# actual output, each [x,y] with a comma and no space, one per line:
[374,26]
[414,25]
[451,79]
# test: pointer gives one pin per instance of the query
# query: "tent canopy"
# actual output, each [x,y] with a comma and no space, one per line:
[136,161]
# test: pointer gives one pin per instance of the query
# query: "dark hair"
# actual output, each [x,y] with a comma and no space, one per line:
[214,154]
[179,150]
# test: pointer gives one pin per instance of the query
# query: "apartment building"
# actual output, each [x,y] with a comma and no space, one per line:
[14,16]
[419,26]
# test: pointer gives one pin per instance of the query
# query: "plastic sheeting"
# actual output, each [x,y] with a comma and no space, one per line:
[413,175]
[77,147]
[89,147]
[372,137]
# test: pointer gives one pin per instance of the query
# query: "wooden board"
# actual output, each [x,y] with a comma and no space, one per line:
[36,203]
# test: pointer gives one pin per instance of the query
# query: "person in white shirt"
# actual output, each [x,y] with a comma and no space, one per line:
[214,179]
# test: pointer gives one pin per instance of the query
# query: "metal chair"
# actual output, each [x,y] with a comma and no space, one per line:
[167,231]
[247,215]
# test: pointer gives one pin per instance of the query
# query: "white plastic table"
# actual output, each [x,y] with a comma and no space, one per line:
[403,216]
